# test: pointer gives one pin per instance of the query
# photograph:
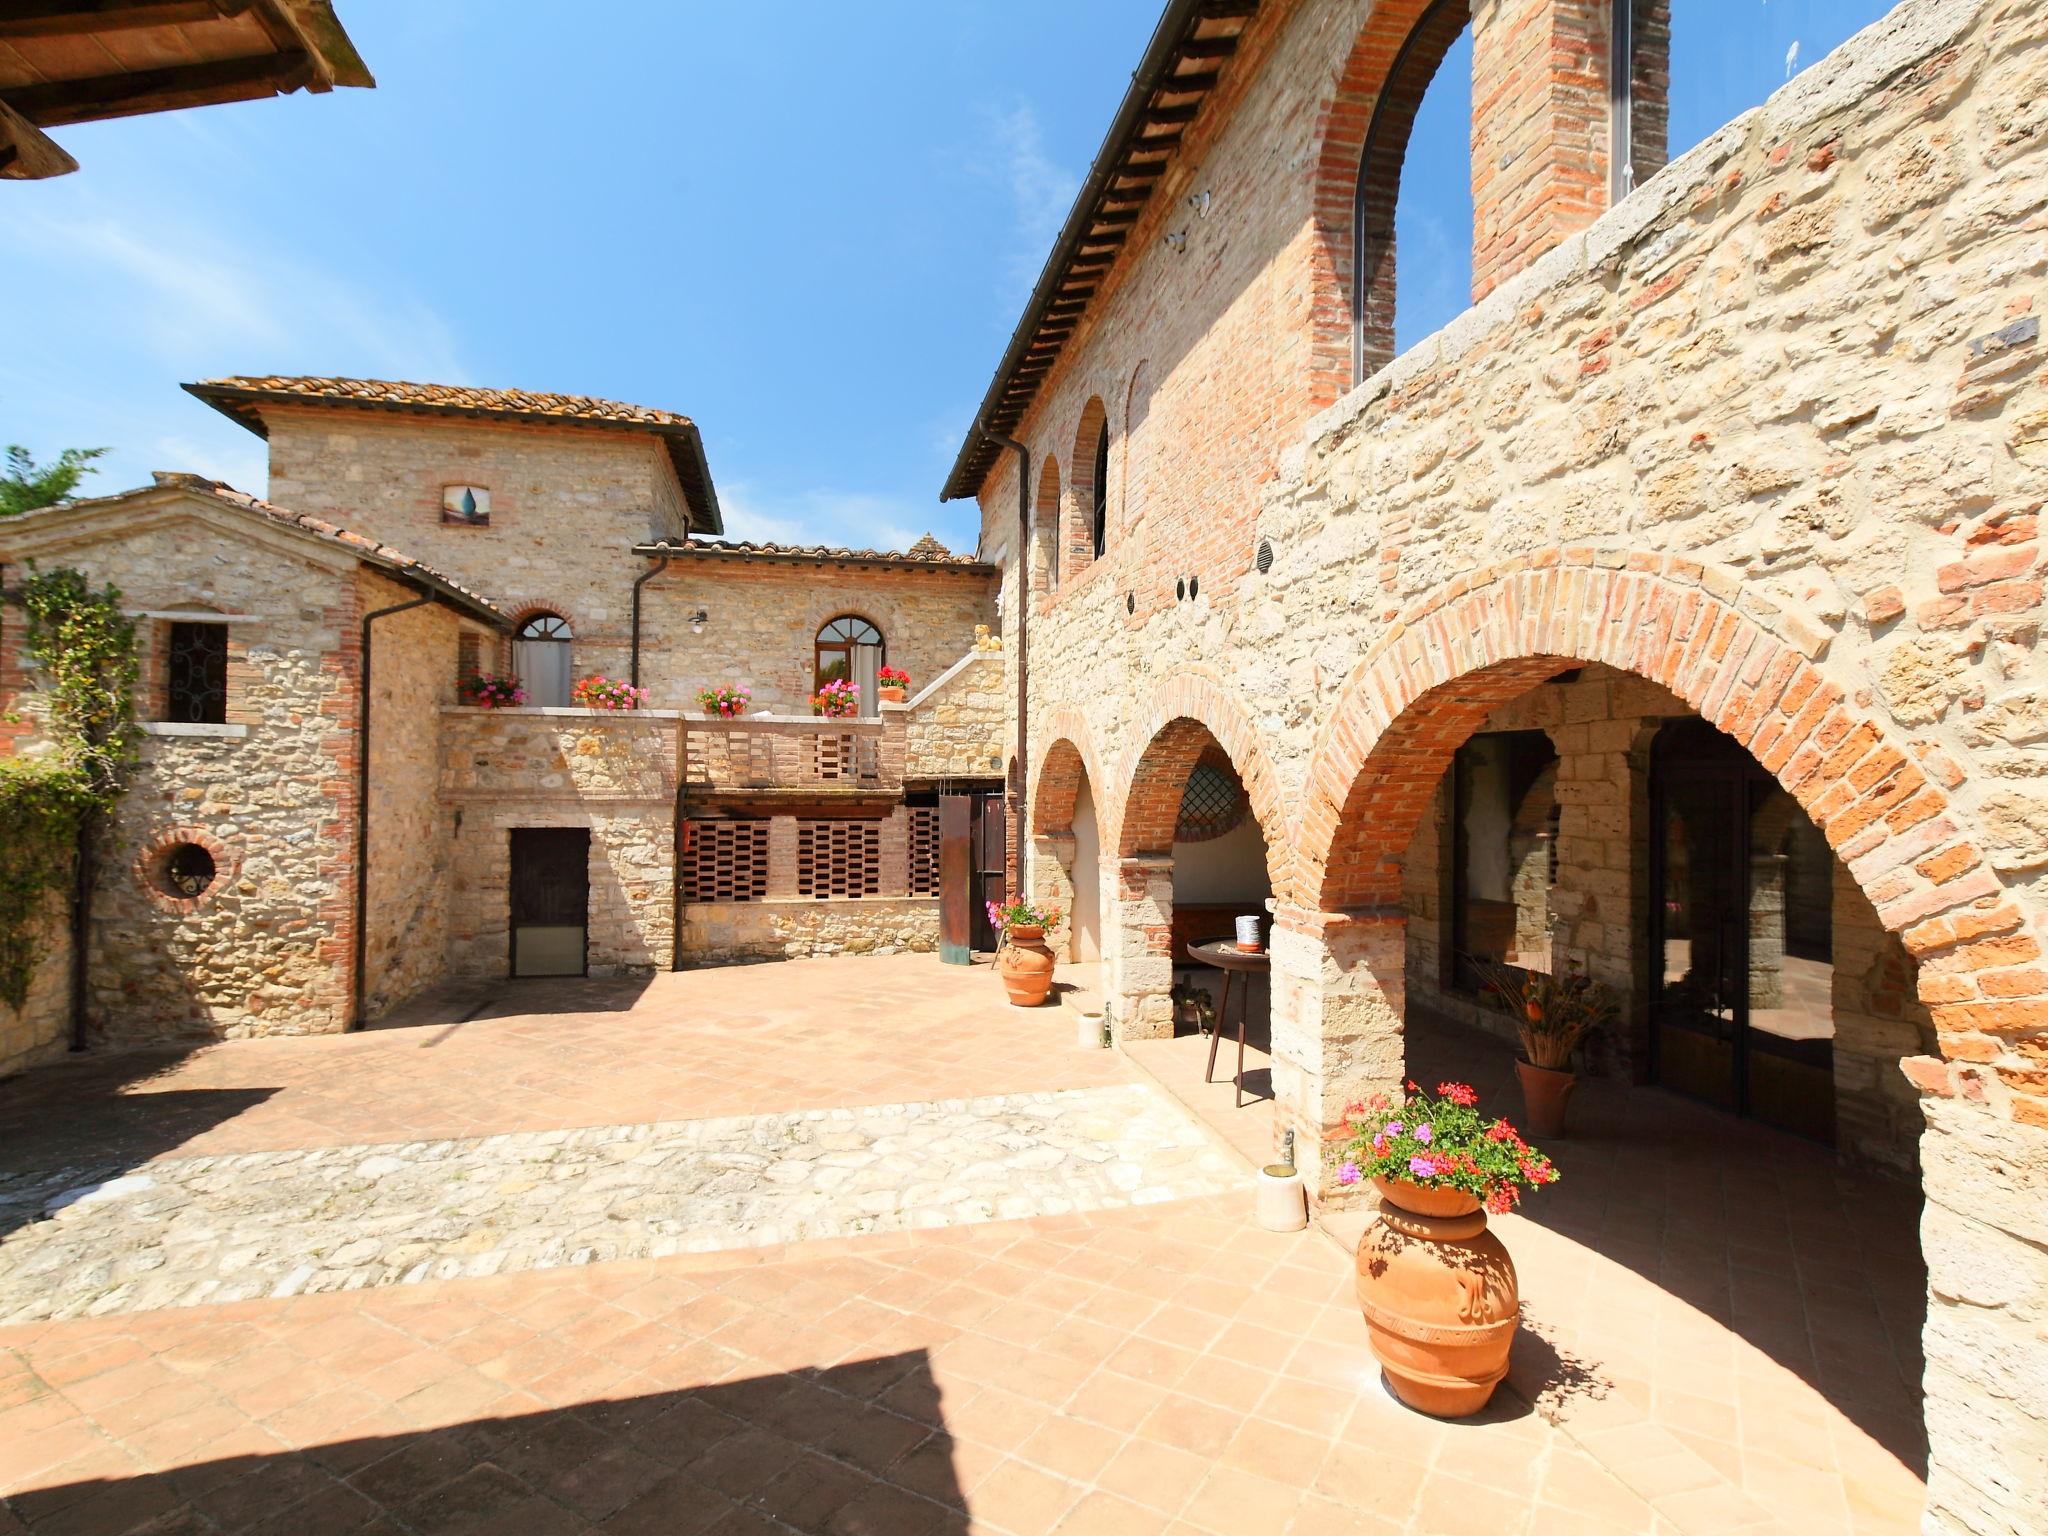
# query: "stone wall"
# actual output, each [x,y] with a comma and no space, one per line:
[957,727]
[615,773]
[41,1028]
[721,932]
[762,619]
[568,504]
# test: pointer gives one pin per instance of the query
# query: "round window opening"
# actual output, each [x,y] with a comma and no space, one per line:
[185,870]
[1212,804]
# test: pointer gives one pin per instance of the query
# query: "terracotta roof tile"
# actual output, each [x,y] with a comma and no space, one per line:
[926,551]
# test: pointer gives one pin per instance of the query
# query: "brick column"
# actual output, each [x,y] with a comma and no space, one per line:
[895,852]
[1338,998]
[1140,972]
[1540,132]
[781,858]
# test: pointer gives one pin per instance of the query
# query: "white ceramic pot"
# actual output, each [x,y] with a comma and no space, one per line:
[1281,1204]
[1248,933]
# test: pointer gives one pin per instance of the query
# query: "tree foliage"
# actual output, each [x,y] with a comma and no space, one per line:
[26,485]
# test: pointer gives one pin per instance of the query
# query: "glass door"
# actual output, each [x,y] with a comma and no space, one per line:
[1741,1011]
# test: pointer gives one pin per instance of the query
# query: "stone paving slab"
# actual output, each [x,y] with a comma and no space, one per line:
[209,1230]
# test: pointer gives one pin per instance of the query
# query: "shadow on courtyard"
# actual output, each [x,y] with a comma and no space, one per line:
[457,1003]
[95,1117]
[1815,1264]
[850,1449]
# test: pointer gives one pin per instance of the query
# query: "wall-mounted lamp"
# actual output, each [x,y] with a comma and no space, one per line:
[698,620]
[1176,240]
[1199,201]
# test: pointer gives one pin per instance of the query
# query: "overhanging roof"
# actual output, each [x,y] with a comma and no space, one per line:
[1181,66]
[76,61]
[243,399]
[927,554]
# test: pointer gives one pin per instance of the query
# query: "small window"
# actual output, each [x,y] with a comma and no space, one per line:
[849,649]
[1100,490]
[196,674]
[1503,850]
[541,659]
[466,506]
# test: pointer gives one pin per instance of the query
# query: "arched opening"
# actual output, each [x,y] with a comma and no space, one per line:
[1089,537]
[1747,1090]
[1196,855]
[1044,564]
[543,659]
[1132,474]
[1413,187]
[849,650]
[1066,849]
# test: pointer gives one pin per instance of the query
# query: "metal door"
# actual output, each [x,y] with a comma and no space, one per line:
[991,863]
[550,901]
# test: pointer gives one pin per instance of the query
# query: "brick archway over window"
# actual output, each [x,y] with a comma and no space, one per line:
[1063,767]
[1371,110]
[1181,721]
[1499,631]
[1042,563]
[1088,487]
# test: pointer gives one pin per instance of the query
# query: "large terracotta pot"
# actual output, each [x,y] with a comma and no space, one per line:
[1025,965]
[1546,1096]
[1439,1296]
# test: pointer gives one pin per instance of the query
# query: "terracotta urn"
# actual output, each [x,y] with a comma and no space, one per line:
[1025,964]
[892,695]
[1439,1296]
[1546,1095]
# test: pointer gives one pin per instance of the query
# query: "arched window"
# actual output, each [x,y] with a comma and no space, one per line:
[1045,528]
[1102,489]
[850,649]
[1090,535]
[540,657]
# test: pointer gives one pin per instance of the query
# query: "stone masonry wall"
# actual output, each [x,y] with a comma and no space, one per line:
[724,932]
[959,730]
[1773,432]
[40,1029]
[614,773]
[567,506]
[763,618]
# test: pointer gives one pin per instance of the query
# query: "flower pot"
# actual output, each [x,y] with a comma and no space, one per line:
[1439,1296]
[1025,965]
[1546,1095]
[1281,1204]
[892,695]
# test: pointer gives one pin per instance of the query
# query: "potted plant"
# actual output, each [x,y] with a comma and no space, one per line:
[892,685]
[1023,960]
[600,692]
[1437,1288]
[728,701]
[1553,1016]
[837,700]
[487,691]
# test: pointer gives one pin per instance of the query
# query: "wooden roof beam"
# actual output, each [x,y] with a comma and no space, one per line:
[67,18]
[57,102]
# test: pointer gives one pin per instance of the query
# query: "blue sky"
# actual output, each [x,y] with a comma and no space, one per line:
[810,226]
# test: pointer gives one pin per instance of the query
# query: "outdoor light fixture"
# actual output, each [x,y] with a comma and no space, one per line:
[698,620]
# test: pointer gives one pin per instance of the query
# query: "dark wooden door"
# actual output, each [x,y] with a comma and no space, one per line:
[990,873]
[956,879]
[550,901]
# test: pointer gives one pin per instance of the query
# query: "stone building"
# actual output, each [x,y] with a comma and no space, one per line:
[1672,614]
[239,892]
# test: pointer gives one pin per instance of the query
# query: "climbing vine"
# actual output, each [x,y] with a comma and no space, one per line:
[83,648]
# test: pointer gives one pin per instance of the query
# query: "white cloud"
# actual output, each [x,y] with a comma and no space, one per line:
[1041,192]
[852,519]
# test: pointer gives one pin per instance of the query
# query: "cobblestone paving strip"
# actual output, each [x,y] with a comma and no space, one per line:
[193,1231]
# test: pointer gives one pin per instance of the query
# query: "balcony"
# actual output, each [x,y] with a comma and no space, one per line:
[799,753]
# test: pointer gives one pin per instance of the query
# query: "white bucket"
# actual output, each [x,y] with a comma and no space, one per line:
[1248,933]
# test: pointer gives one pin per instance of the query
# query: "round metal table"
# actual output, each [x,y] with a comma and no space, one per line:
[1230,960]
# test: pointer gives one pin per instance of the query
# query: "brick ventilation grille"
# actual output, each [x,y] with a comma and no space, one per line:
[838,858]
[727,861]
[924,850]
[836,757]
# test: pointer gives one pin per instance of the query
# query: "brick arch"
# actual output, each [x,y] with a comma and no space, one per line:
[1499,631]
[1063,766]
[1180,721]
[1091,450]
[1042,561]
[1370,110]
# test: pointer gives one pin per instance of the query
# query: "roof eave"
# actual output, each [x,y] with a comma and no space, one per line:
[794,557]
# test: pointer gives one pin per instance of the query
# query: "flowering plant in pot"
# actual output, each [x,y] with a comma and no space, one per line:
[488,691]
[1554,1015]
[892,685]
[727,700]
[837,700]
[1438,1289]
[1025,963]
[600,692]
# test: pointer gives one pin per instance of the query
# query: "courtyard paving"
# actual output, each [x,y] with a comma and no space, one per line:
[1128,1355]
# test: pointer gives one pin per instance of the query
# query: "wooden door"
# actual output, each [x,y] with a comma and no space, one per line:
[550,901]
[991,863]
